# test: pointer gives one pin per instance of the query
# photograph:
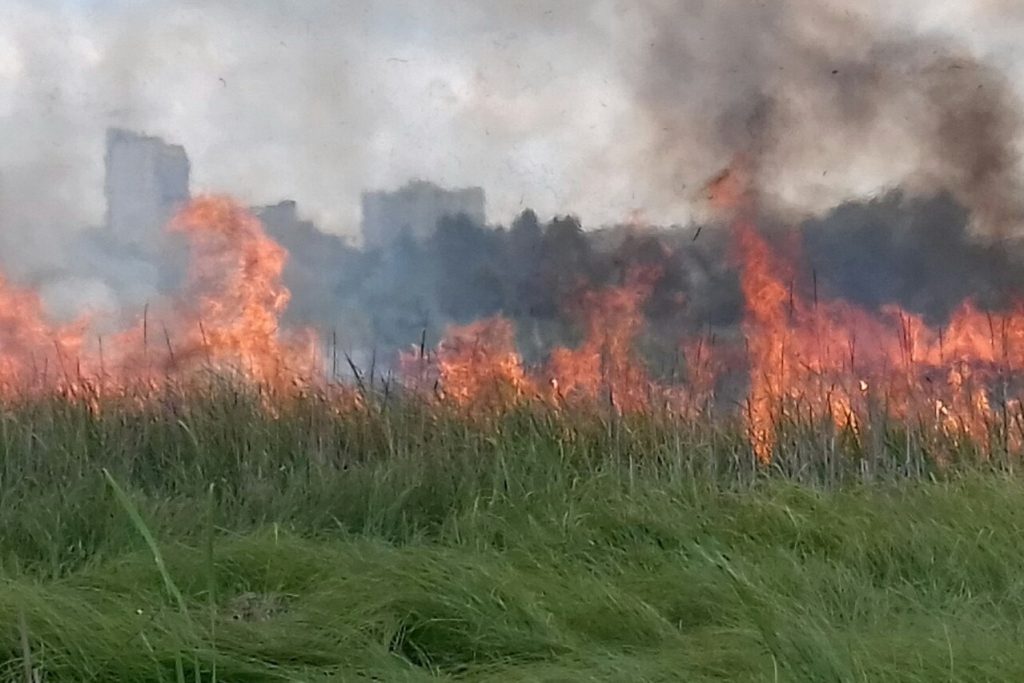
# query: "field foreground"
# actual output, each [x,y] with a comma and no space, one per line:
[209,541]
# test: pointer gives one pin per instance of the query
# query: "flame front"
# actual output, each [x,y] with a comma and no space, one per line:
[808,359]
[805,358]
[227,319]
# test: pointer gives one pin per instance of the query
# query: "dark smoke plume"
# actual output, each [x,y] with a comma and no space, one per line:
[805,89]
[914,252]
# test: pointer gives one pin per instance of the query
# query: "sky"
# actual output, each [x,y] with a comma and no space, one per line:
[318,100]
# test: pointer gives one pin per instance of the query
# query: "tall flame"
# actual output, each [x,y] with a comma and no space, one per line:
[807,358]
[227,318]
[235,295]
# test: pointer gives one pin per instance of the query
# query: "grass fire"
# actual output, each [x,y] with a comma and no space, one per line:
[738,399]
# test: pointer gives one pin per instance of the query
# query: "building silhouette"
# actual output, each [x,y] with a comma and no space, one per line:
[415,209]
[147,180]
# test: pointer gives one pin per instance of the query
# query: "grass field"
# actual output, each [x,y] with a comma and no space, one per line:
[205,539]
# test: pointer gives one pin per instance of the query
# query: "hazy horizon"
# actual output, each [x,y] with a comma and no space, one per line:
[316,101]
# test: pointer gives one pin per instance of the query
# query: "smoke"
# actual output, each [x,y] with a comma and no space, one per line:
[821,98]
[563,107]
[591,109]
[314,102]
[912,251]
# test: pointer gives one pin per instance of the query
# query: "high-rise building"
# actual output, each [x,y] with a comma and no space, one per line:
[146,182]
[416,208]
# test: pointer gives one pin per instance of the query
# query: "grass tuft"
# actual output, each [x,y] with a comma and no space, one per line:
[225,542]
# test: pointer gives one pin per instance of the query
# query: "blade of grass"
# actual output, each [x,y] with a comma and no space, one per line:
[26,649]
[211,578]
[140,526]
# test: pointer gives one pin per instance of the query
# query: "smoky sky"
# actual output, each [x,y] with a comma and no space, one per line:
[595,108]
[810,93]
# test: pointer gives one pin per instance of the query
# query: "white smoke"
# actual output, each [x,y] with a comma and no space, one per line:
[316,101]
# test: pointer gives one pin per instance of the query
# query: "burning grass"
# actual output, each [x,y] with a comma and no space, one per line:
[800,362]
[213,508]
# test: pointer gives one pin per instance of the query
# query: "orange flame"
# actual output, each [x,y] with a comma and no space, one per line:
[806,358]
[476,367]
[33,351]
[236,297]
[227,319]
[825,356]
[605,365]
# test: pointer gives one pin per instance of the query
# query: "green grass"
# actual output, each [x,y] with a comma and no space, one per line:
[406,544]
